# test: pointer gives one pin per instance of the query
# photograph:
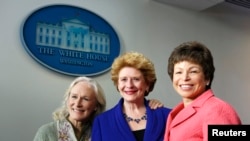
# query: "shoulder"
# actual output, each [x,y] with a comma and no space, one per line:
[48,127]
[220,110]
[115,109]
[46,131]
[107,113]
[216,103]
[163,111]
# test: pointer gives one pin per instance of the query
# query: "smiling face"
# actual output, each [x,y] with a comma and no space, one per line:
[189,80]
[131,84]
[81,102]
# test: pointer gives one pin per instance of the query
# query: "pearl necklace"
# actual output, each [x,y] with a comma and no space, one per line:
[137,120]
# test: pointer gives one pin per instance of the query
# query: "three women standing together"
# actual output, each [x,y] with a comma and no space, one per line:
[191,69]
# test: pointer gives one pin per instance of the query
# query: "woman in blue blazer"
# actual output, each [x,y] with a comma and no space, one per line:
[131,119]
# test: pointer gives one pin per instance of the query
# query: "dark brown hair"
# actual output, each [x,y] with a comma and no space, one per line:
[194,52]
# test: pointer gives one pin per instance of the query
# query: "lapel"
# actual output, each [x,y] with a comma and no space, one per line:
[179,114]
[122,125]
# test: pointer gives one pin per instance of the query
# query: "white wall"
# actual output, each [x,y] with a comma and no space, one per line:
[29,92]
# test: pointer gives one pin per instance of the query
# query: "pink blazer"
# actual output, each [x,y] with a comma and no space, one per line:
[191,123]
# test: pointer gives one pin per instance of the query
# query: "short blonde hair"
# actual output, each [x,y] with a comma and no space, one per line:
[137,61]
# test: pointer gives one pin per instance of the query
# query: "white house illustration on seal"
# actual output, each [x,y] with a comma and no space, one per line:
[73,35]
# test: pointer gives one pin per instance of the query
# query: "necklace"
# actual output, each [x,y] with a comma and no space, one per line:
[137,120]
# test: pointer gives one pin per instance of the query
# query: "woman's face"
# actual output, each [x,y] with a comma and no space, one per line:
[81,102]
[131,84]
[189,80]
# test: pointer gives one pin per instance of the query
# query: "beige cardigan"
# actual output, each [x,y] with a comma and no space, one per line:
[56,131]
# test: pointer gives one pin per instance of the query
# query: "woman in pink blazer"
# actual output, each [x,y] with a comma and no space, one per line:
[191,69]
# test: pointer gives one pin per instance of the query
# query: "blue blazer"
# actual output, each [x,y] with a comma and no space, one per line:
[112,126]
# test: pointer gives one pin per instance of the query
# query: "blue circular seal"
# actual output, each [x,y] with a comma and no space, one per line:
[70,40]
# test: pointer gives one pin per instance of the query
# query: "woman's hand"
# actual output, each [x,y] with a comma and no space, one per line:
[154,103]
